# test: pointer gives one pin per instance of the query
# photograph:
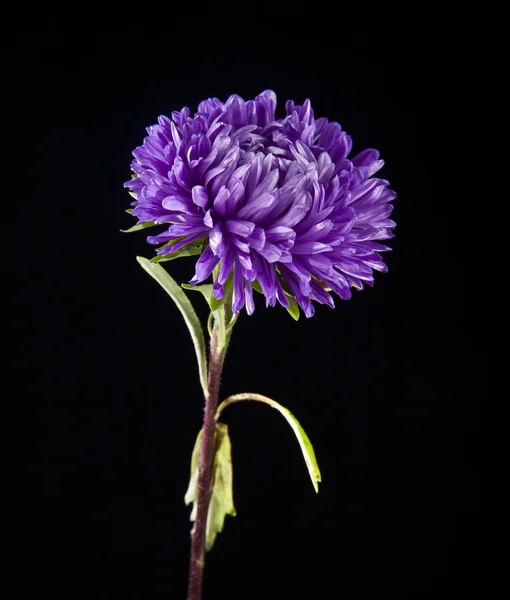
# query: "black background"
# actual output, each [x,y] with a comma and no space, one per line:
[110,404]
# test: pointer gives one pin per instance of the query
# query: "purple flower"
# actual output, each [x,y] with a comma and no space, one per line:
[274,204]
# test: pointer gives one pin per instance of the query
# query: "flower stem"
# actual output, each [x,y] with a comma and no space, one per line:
[197,560]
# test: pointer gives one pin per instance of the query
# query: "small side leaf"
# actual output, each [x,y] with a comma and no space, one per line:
[222,501]
[139,227]
[172,288]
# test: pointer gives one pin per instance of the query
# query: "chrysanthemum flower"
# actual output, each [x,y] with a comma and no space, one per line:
[274,204]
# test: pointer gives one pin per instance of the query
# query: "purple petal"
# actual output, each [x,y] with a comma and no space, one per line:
[221,201]
[238,298]
[257,238]
[175,203]
[218,290]
[239,227]
[208,219]
[310,248]
[216,240]
[205,266]
[225,267]
[199,196]
[248,296]
[257,209]
[270,252]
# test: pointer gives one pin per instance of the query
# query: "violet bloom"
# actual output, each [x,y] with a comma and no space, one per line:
[274,202]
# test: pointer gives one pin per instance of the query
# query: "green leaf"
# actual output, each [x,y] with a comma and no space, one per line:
[205,289]
[256,286]
[293,308]
[216,304]
[139,227]
[190,250]
[304,441]
[173,289]
[222,501]
[129,211]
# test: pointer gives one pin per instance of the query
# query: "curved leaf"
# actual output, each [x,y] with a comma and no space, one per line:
[139,227]
[173,289]
[303,439]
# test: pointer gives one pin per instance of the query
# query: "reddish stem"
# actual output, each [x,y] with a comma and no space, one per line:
[197,560]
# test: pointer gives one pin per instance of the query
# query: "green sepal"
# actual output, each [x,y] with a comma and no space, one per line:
[191,250]
[226,301]
[293,308]
[139,227]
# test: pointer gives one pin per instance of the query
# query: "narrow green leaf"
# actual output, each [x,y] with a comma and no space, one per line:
[293,308]
[304,441]
[129,211]
[139,227]
[184,305]
[222,500]
[190,250]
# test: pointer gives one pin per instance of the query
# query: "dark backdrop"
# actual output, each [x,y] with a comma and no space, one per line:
[110,404]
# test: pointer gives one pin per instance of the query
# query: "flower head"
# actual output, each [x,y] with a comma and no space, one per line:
[271,204]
